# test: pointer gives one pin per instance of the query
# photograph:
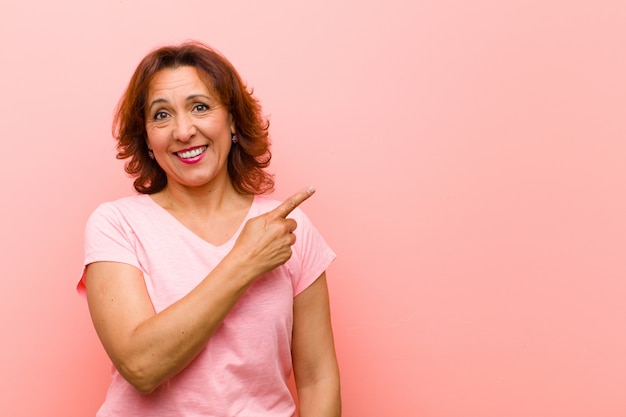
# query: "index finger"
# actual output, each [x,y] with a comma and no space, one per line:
[292,202]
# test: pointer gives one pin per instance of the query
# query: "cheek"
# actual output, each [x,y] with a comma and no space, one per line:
[155,137]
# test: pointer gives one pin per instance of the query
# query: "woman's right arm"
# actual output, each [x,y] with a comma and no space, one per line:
[149,348]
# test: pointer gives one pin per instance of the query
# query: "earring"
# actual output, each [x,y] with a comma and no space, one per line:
[234,138]
[150,154]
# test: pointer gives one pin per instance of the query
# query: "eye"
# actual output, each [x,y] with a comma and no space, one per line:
[160,115]
[200,107]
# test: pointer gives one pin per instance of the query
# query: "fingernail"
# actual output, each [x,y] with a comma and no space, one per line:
[310,189]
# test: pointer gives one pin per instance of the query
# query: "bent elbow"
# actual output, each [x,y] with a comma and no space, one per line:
[140,378]
[144,387]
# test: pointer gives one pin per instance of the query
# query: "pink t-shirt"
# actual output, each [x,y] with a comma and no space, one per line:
[244,369]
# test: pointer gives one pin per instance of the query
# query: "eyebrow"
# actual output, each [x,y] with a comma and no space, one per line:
[195,96]
[157,101]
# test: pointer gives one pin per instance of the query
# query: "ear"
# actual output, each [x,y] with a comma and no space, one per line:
[233,128]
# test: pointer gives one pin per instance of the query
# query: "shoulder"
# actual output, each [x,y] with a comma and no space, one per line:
[122,212]
[263,204]
[121,206]
[129,202]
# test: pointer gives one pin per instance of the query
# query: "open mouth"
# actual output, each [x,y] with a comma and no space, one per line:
[191,153]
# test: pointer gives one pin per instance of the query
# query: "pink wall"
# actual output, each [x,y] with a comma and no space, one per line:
[470,160]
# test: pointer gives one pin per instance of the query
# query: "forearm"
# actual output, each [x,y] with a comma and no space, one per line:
[320,399]
[314,361]
[158,346]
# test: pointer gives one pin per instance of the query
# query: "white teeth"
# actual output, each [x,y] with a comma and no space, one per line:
[192,153]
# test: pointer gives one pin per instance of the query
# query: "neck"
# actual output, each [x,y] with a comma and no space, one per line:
[205,200]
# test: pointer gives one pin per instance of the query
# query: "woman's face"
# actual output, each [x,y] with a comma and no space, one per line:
[188,129]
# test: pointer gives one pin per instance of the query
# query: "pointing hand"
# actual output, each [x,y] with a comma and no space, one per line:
[265,241]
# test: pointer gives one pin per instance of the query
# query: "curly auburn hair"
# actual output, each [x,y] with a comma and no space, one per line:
[247,158]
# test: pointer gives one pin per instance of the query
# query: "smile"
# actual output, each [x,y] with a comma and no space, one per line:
[191,153]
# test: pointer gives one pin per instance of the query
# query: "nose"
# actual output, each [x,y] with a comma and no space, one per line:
[184,129]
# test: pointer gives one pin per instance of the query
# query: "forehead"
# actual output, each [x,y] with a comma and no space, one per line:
[180,79]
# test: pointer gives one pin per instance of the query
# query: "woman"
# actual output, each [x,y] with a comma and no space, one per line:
[205,293]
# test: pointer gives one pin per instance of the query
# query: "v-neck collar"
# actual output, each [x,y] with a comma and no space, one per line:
[171,219]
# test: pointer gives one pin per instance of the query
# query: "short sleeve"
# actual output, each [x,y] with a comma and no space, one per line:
[312,252]
[108,237]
